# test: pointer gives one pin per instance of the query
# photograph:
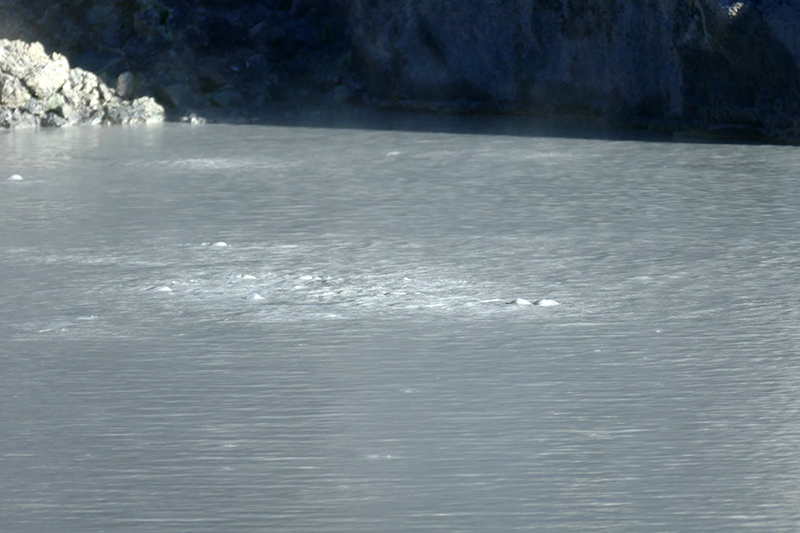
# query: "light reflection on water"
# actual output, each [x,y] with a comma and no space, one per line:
[383,383]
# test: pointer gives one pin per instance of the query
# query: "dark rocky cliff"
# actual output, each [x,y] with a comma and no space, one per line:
[704,65]
[198,54]
[671,64]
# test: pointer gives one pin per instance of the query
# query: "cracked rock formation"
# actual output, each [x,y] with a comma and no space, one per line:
[37,89]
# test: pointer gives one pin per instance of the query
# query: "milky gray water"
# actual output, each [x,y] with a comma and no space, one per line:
[348,360]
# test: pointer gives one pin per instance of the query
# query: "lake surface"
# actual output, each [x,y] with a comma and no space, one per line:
[349,361]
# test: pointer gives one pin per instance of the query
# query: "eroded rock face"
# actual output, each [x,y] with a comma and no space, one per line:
[41,90]
[702,63]
[595,54]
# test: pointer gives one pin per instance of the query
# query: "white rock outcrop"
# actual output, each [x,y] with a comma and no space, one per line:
[37,89]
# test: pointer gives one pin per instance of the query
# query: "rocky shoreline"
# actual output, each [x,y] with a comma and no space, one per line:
[37,89]
[215,60]
[715,68]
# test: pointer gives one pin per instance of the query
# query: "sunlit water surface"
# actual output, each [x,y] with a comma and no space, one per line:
[349,361]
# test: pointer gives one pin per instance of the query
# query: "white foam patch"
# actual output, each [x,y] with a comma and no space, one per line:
[331,281]
[201,164]
[211,163]
[242,277]
[161,288]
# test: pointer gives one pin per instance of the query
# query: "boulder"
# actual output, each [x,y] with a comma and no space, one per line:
[83,89]
[126,85]
[45,79]
[144,110]
[13,93]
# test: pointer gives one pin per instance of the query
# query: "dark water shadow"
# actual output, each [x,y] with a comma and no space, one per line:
[370,118]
